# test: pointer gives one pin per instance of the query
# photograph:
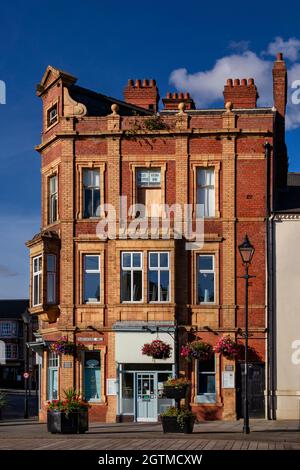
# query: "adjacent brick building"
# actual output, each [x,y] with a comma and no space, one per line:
[13,338]
[114,295]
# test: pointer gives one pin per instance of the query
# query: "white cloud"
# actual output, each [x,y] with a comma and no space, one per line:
[206,87]
[289,48]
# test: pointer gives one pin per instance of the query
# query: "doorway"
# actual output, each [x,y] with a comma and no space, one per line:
[146,396]
[141,394]
[256,389]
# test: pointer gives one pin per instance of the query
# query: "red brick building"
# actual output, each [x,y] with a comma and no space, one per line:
[114,295]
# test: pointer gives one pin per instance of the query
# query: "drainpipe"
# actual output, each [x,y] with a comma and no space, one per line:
[270,279]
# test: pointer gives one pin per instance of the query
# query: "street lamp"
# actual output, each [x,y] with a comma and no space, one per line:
[246,251]
[26,320]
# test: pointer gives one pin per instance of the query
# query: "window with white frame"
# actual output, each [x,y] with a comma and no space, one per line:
[8,328]
[148,191]
[206,279]
[53,198]
[51,279]
[131,277]
[91,280]
[11,351]
[52,376]
[91,193]
[158,277]
[52,115]
[205,197]
[37,281]
[206,390]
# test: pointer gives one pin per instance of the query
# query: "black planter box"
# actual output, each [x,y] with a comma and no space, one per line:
[170,424]
[73,423]
[176,393]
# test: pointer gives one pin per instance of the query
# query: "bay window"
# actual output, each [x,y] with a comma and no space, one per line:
[37,281]
[51,279]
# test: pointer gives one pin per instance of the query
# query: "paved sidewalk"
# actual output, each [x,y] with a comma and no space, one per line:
[265,435]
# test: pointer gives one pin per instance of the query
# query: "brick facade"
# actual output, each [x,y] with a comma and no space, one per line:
[88,134]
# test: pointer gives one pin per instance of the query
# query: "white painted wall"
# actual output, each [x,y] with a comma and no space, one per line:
[287,284]
[129,347]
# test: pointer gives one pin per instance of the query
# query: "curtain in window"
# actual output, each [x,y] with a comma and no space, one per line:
[206,192]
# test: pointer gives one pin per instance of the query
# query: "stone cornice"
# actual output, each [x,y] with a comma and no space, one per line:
[233,132]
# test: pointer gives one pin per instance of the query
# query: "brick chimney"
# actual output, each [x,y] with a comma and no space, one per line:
[280,84]
[142,93]
[171,101]
[242,94]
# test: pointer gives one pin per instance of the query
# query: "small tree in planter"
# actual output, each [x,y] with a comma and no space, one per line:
[176,388]
[68,416]
[227,347]
[197,350]
[178,420]
[157,349]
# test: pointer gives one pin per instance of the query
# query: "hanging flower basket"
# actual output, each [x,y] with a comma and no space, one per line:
[197,350]
[227,347]
[63,346]
[157,349]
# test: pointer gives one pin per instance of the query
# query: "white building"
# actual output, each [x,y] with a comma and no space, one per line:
[286,303]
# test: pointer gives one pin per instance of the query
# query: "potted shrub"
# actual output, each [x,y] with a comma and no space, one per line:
[68,416]
[227,347]
[197,350]
[157,349]
[176,388]
[178,420]
[3,402]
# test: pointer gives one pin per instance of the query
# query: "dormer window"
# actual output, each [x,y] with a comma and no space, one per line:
[52,116]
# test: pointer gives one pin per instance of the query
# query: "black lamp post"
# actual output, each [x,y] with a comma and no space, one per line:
[26,320]
[246,251]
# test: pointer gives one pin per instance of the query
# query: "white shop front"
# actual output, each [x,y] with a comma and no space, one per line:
[140,378]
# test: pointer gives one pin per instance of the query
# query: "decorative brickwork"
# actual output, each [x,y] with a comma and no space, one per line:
[229,140]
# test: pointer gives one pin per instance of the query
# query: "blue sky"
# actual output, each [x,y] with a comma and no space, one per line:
[104,43]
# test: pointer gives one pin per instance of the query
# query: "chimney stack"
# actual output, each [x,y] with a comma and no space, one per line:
[241,93]
[172,100]
[142,93]
[280,84]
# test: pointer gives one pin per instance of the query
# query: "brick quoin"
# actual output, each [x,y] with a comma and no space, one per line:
[111,135]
